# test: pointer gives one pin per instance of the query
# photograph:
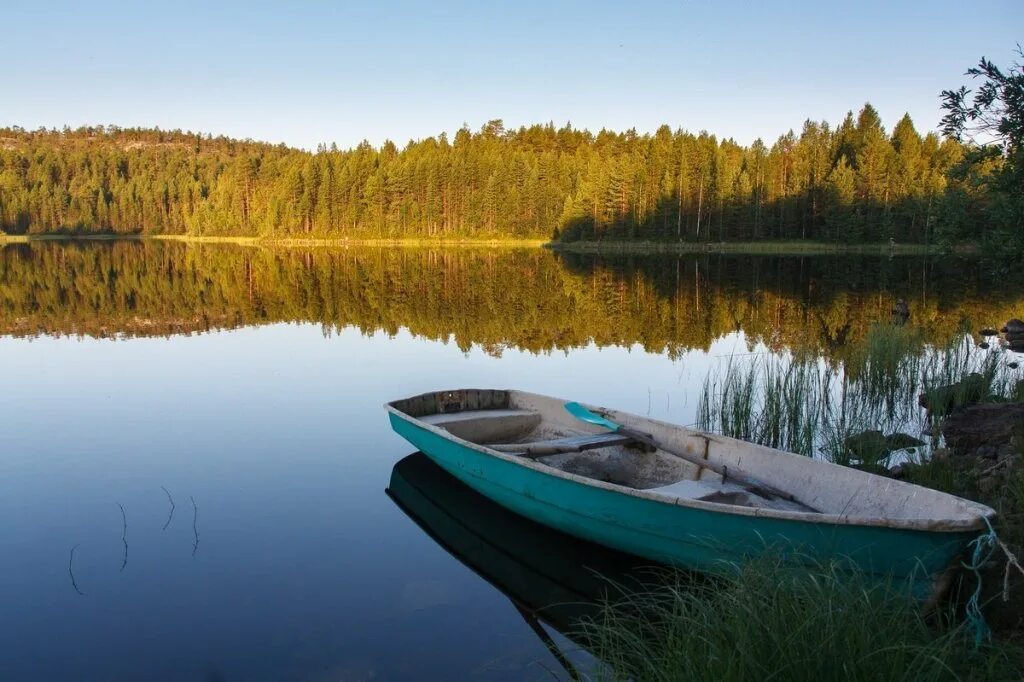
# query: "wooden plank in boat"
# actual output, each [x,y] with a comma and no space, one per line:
[579,443]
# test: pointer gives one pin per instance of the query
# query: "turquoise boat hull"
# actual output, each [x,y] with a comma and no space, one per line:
[683,536]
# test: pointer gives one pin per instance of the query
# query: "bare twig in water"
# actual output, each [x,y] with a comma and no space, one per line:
[71,571]
[549,642]
[124,535]
[195,527]
[171,500]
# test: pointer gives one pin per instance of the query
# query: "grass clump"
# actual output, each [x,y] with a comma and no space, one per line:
[769,622]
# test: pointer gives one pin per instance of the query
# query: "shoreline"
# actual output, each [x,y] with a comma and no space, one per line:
[403,242]
[287,242]
[581,247]
[754,248]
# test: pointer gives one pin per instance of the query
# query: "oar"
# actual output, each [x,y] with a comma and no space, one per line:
[762,489]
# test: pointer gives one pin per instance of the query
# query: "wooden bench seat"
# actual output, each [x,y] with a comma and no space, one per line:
[587,441]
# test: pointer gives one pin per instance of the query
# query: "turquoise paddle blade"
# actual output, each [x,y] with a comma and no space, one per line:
[585,415]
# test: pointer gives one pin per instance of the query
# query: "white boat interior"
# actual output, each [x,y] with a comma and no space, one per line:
[687,465]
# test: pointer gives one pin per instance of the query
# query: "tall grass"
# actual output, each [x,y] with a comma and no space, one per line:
[805,406]
[886,367]
[771,400]
[768,622]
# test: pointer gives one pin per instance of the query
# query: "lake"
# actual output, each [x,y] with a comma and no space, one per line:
[194,458]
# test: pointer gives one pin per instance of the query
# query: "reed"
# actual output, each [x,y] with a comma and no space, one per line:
[771,400]
[886,367]
[806,406]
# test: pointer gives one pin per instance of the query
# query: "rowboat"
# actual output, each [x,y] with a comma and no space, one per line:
[684,497]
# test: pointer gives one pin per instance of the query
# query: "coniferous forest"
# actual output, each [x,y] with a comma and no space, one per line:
[854,182]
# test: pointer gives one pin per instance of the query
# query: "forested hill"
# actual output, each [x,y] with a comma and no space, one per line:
[853,182]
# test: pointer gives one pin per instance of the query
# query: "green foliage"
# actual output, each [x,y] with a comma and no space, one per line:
[769,621]
[854,183]
[997,109]
[992,176]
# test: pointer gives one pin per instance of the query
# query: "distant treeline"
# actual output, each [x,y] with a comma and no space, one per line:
[851,183]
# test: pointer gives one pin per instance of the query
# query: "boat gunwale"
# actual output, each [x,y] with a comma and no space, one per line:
[983,514]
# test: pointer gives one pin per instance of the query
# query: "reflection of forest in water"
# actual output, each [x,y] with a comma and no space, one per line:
[525,298]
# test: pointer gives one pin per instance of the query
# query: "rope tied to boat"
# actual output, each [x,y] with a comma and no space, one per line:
[985,546]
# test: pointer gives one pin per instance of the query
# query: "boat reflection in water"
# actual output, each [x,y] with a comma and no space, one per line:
[550,577]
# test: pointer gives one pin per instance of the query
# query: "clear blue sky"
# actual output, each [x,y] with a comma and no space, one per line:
[322,72]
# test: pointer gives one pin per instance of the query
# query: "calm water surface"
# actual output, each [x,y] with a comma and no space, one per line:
[228,400]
